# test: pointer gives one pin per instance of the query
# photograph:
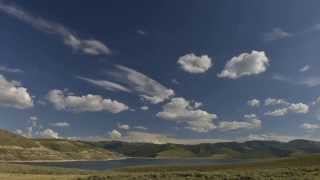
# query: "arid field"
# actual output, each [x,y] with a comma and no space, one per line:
[304,167]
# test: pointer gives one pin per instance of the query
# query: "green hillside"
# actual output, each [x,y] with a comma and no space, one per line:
[17,148]
[226,150]
[10,139]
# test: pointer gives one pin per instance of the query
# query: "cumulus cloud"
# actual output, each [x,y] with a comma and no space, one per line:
[144,108]
[87,46]
[10,70]
[60,124]
[90,103]
[12,94]
[182,111]
[195,64]
[276,34]
[251,122]
[254,103]
[305,68]
[123,126]
[107,85]
[48,133]
[147,88]
[299,108]
[114,134]
[245,64]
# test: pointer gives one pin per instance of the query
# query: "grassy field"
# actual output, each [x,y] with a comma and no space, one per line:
[304,167]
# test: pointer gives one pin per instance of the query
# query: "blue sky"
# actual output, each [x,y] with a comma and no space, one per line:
[160,71]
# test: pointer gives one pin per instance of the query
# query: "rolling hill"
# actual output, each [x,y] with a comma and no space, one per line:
[18,148]
[226,150]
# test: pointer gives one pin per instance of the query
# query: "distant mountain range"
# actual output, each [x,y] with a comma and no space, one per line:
[226,150]
[18,148]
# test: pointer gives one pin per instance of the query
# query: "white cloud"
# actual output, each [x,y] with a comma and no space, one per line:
[251,122]
[114,134]
[245,64]
[144,108]
[124,126]
[277,112]
[10,70]
[311,81]
[33,118]
[156,138]
[19,132]
[148,89]
[274,101]
[108,85]
[276,34]
[195,64]
[140,128]
[299,108]
[310,127]
[254,103]
[91,103]
[60,124]
[305,68]
[49,133]
[141,32]
[270,137]
[250,116]
[181,111]
[87,46]
[12,94]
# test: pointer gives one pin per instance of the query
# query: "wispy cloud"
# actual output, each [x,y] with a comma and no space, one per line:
[131,81]
[147,88]
[310,81]
[86,46]
[10,70]
[276,34]
[60,124]
[108,85]
[305,68]
[141,32]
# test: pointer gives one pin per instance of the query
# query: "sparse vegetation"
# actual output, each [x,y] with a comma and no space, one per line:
[303,167]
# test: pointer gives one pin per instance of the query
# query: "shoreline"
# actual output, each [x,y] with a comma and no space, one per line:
[54,161]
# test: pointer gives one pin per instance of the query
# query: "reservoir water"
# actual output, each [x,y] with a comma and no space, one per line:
[115,164]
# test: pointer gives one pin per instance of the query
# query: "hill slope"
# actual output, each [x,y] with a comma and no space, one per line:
[17,148]
[250,149]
